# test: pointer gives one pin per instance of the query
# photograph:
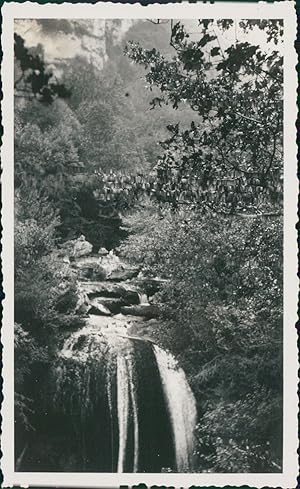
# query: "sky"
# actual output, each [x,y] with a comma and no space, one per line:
[69,42]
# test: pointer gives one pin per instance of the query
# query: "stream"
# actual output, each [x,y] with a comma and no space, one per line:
[122,402]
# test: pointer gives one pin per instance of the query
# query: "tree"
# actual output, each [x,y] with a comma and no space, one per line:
[45,299]
[231,162]
[222,317]
[221,304]
[33,78]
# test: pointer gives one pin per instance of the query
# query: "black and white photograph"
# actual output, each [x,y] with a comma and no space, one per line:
[152,187]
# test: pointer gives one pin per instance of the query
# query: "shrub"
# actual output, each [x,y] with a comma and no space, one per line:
[223,318]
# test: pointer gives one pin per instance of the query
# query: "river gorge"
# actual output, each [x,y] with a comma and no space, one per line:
[119,403]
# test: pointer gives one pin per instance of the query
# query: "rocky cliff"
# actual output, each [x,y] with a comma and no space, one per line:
[63,39]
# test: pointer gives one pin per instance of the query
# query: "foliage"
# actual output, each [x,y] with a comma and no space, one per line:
[223,318]
[109,141]
[48,151]
[232,161]
[35,80]
[82,79]
[50,158]
[223,298]
[27,354]
[40,276]
[124,132]
[241,440]
[37,114]
[41,280]
[78,164]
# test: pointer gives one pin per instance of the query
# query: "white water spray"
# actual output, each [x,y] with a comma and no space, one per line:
[135,416]
[143,298]
[123,409]
[181,406]
[91,352]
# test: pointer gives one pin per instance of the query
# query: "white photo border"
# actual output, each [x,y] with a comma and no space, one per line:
[278,10]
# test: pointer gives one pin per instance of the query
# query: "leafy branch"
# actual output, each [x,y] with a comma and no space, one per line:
[35,79]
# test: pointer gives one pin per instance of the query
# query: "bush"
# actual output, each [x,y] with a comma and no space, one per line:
[241,436]
[41,281]
[223,318]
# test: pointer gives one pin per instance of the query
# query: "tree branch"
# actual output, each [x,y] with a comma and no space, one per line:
[158,21]
[249,118]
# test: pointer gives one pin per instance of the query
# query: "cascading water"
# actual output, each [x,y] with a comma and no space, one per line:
[135,418]
[131,406]
[123,409]
[181,405]
[143,299]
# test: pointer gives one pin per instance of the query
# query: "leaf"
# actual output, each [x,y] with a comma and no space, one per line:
[205,22]
[215,51]
[156,101]
[175,28]
[205,39]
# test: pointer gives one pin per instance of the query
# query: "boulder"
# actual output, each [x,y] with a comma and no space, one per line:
[98,309]
[111,263]
[120,275]
[109,289]
[89,268]
[103,267]
[66,248]
[114,304]
[83,302]
[144,310]
[110,324]
[81,247]
[102,252]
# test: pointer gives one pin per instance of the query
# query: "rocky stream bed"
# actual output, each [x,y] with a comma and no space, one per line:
[113,296]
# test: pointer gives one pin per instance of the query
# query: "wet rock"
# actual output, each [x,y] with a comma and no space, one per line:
[90,268]
[141,331]
[98,309]
[110,289]
[112,303]
[97,267]
[81,247]
[120,275]
[66,249]
[111,263]
[111,324]
[83,302]
[144,310]
[105,267]
[102,252]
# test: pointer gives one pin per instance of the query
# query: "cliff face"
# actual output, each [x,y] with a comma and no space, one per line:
[63,39]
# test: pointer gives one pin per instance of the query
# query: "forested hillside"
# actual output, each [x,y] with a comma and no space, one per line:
[170,155]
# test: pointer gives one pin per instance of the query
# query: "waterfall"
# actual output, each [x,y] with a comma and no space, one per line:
[110,405]
[123,410]
[135,417]
[143,299]
[127,403]
[181,405]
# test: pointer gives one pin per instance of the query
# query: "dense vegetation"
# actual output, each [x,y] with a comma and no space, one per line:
[223,313]
[203,210]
